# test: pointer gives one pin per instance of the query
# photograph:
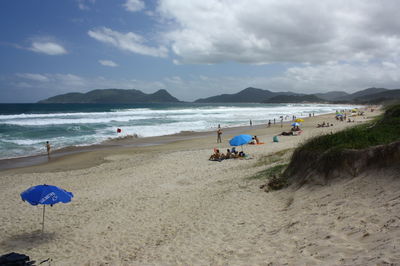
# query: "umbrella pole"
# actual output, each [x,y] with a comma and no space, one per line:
[44,205]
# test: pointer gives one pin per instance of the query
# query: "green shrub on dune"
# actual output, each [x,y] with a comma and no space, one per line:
[348,152]
[383,130]
[345,153]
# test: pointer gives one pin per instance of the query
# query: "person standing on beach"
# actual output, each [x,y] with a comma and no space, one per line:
[219,133]
[48,148]
[251,123]
[269,123]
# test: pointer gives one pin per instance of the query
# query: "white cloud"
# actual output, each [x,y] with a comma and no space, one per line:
[333,76]
[54,81]
[34,77]
[59,83]
[339,76]
[265,31]
[108,63]
[83,4]
[130,41]
[49,48]
[68,80]
[303,78]
[134,5]
[268,31]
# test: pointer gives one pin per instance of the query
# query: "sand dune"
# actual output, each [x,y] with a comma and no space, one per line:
[169,205]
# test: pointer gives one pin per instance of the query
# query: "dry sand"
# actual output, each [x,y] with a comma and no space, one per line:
[169,205]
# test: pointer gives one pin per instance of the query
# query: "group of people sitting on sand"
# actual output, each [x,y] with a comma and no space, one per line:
[230,154]
[295,130]
[324,125]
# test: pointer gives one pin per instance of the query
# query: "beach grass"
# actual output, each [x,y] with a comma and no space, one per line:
[274,157]
[383,130]
[275,170]
[348,151]
[275,180]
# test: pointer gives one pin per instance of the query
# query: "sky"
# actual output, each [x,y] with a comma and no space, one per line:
[197,48]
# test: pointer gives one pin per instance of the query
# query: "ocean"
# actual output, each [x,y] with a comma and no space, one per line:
[24,128]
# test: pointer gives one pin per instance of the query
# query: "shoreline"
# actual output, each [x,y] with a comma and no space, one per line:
[37,154]
[126,142]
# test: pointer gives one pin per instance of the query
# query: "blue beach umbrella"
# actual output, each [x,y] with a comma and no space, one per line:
[240,140]
[295,124]
[46,195]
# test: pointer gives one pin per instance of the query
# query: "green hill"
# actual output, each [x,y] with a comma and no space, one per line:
[294,99]
[112,96]
[388,95]
[332,95]
[254,95]
[359,94]
[248,95]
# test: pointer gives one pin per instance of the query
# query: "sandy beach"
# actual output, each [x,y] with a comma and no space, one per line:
[168,205]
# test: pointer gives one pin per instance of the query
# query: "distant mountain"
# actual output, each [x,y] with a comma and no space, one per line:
[367,92]
[112,96]
[332,95]
[254,95]
[358,94]
[248,95]
[294,99]
[387,95]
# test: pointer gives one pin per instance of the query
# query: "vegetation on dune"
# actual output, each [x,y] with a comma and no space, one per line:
[275,179]
[279,156]
[270,172]
[383,130]
[348,152]
[273,175]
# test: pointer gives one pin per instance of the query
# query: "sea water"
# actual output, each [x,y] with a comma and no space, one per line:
[24,128]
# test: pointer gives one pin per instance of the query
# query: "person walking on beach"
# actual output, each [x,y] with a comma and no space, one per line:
[269,123]
[219,133]
[251,123]
[48,148]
